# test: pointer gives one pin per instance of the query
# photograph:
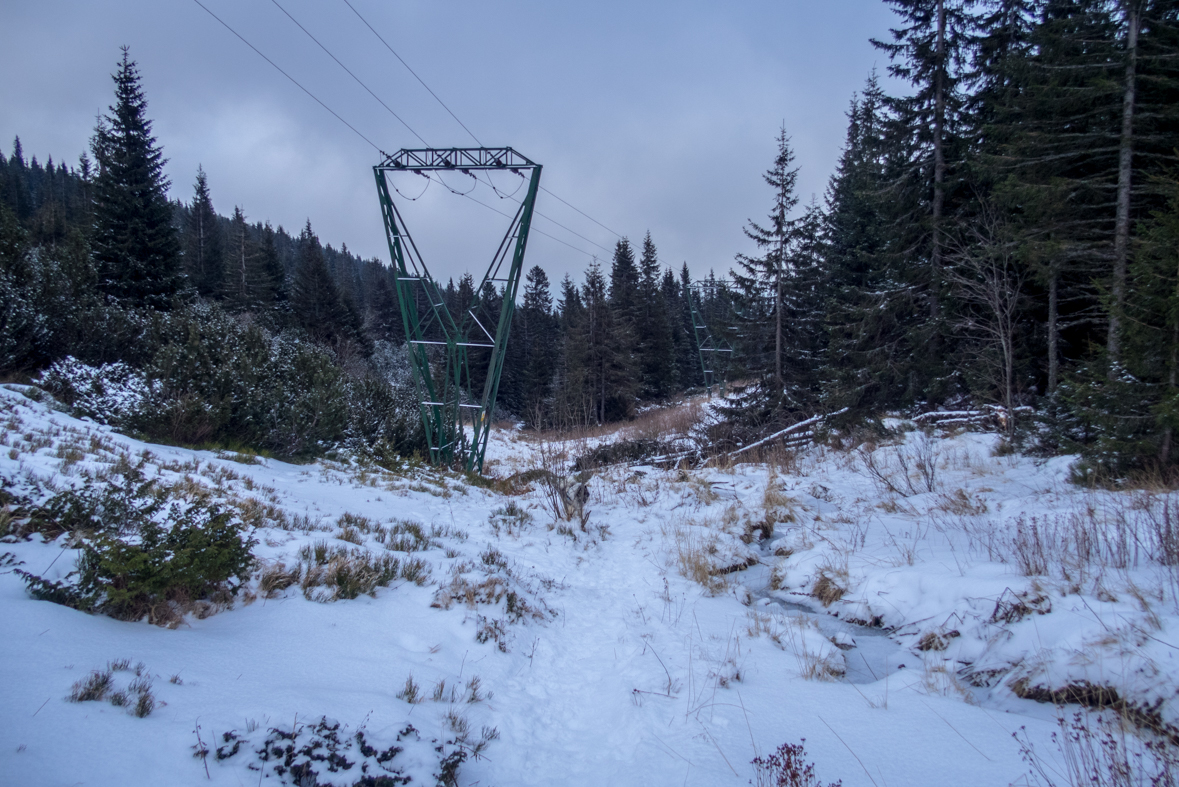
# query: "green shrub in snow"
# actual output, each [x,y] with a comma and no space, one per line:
[143,552]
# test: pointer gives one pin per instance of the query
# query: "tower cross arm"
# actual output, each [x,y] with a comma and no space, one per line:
[429,159]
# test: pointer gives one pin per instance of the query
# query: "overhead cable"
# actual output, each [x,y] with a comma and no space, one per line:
[415,74]
[547,218]
[464,125]
[374,95]
[583,213]
[288,76]
[349,71]
[354,130]
[507,216]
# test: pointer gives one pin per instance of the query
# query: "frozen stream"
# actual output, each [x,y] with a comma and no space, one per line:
[870,653]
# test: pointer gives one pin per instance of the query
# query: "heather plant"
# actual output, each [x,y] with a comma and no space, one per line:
[787,767]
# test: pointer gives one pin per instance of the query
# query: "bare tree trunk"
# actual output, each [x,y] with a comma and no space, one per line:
[1009,376]
[1125,170]
[939,163]
[988,281]
[778,317]
[1172,383]
[1053,330]
[200,266]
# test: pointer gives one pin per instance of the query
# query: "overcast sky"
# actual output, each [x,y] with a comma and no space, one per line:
[658,116]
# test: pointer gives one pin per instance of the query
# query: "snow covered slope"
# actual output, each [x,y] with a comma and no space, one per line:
[697,620]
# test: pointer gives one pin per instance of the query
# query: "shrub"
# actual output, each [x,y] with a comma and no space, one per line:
[113,393]
[194,558]
[198,375]
[1102,750]
[787,767]
[142,554]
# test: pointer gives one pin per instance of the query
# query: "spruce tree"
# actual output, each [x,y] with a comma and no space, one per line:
[247,284]
[674,308]
[316,300]
[761,280]
[608,359]
[1059,166]
[687,356]
[204,254]
[868,306]
[656,357]
[1152,341]
[134,242]
[273,273]
[539,331]
[618,343]
[804,339]
[931,50]
[572,399]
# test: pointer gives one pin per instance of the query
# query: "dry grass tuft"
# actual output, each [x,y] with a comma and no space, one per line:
[960,503]
[276,578]
[826,590]
[411,692]
[93,688]
[694,553]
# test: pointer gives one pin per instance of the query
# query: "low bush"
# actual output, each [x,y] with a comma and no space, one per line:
[1102,750]
[198,375]
[787,767]
[143,553]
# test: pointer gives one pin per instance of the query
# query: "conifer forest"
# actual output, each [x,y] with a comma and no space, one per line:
[1004,233]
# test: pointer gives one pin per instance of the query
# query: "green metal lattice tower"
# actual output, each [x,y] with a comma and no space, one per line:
[444,348]
[715,352]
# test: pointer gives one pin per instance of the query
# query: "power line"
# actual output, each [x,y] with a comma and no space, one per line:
[506,216]
[378,149]
[374,95]
[583,213]
[464,125]
[288,76]
[415,74]
[341,65]
[548,218]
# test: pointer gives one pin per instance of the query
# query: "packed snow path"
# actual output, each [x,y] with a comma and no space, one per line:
[622,671]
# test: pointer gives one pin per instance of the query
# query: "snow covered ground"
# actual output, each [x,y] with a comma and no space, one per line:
[900,608]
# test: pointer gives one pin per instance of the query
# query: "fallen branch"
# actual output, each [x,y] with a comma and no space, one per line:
[800,425]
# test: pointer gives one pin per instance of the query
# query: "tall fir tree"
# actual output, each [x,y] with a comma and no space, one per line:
[608,354]
[204,246]
[247,285]
[1059,161]
[572,401]
[761,280]
[867,303]
[538,327]
[931,50]
[617,344]
[134,242]
[315,298]
[656,357]
[688,369]
[804,337]
[273,272]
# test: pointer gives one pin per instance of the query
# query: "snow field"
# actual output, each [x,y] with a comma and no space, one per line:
[669,643]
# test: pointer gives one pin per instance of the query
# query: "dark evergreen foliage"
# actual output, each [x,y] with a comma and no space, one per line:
[134,242]
[1038,133]
[316,300]
[204,255]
